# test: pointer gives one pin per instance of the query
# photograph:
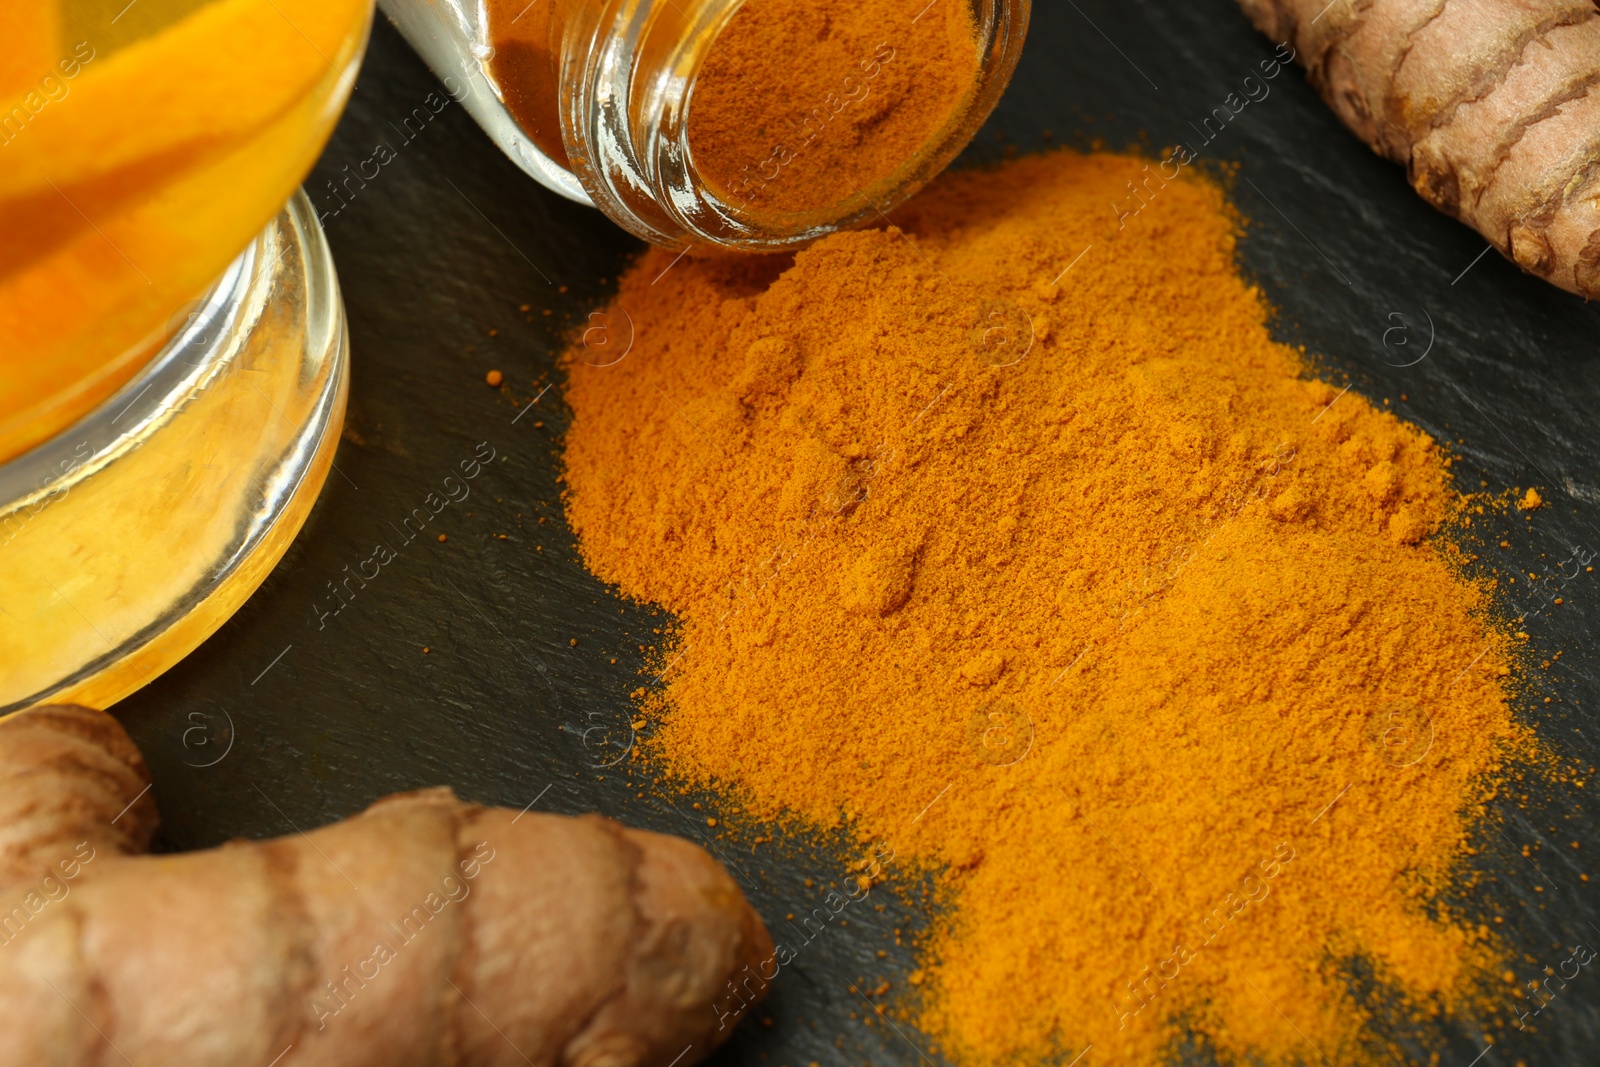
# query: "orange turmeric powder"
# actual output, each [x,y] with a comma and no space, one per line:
[1008,537]
[801,106]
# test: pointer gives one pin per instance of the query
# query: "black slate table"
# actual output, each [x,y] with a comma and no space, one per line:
[296,714]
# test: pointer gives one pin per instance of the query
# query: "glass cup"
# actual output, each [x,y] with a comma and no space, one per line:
[162,315]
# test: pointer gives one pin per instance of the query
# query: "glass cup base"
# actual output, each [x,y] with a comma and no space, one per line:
[129,538]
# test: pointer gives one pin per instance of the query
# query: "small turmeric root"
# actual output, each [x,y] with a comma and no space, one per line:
[1493,106]
[422,931]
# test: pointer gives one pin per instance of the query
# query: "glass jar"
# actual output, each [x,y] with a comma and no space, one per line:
[750,124]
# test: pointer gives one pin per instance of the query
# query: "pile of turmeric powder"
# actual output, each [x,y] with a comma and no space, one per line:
[1009,538]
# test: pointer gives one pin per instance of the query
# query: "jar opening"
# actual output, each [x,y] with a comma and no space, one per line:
[751,124]
[821,107]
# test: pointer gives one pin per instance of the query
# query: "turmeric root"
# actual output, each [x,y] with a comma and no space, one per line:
[1492,105]
[423,931]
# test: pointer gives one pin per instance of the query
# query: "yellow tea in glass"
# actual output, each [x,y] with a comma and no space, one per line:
[172,343]
[142,146]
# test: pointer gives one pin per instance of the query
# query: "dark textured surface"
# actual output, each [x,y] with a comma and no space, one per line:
[330,710]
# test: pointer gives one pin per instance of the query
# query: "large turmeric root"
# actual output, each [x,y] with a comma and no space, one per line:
[1492,105]
[423,931]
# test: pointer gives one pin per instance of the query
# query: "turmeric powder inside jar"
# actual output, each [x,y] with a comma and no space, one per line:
[1011,538]
[524,65]
[799,106]
[802,106]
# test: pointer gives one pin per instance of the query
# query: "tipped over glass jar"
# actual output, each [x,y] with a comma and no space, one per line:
[748,124]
